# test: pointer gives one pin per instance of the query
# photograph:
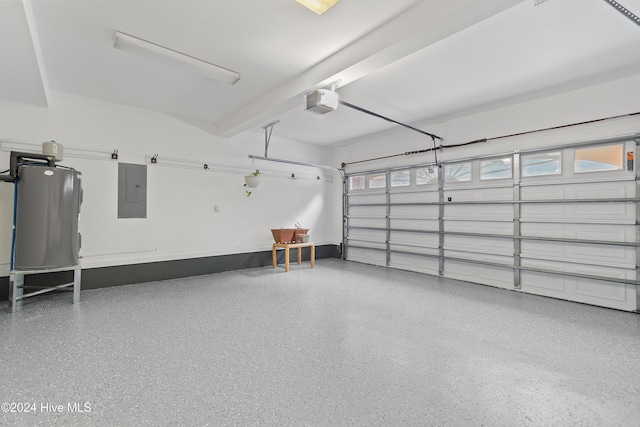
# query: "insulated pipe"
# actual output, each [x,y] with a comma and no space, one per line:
[13,231]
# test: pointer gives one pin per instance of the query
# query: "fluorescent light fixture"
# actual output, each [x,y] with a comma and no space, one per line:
[318,6]
[142,47]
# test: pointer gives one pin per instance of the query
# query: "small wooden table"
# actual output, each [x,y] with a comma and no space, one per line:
[287,246]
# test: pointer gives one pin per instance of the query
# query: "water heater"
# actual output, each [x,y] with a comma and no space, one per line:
[47,208]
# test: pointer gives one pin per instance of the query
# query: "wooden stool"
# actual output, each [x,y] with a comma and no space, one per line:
[286,247]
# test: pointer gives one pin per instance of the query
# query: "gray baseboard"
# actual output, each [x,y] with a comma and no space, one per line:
[95,278]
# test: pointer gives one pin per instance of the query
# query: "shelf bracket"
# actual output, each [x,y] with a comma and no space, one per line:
[268,130]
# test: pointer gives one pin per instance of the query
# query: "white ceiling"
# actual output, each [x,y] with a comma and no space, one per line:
[417,62]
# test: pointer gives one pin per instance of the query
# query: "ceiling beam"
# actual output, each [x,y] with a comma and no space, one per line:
[420,26]
[35,39]
[22,73]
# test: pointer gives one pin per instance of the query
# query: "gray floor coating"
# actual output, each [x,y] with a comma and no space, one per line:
[339,344]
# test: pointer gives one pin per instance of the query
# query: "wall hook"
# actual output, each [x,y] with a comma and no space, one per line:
[114,155]
[154,159]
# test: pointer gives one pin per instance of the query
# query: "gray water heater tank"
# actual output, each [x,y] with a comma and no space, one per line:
[47,209]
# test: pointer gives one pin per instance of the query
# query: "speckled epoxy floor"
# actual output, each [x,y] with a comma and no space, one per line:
[339,344]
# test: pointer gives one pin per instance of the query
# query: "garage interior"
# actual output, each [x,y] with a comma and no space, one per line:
[466,172]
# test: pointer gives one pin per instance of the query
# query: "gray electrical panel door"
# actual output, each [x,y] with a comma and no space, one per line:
[47,208]
[132,190]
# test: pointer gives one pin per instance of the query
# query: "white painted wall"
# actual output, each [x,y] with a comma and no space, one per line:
[610,99]
[181,221]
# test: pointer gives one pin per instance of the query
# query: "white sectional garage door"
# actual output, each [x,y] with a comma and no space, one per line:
[559,223]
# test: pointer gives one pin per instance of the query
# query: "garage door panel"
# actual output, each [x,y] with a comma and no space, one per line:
[484,245]
[607,294]
[415,197]
[367,235]
[546,212]
[426,212]
[600,289]
[604,271]
[477,195]
[628,273]
[375,211]
[415,239]
[367,256]
[542,283]
[480,257]
[554,192]
[536,249]
[415,263]
[493,227]
[605,232]
[424,225]
[367,199]
[425,250]
[583,253]
[367,244]
[592,190]
[367,222]
[607,254]
[609,213]
[605,191]
[597,292]
[614,212]
[478,212]
[610,233]
[477,273]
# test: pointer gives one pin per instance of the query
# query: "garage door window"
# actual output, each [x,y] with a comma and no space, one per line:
[458,172]
[357,182]
[400,179]
[495,169]
[426,176]
[602,158]
[541,164]
[378,181]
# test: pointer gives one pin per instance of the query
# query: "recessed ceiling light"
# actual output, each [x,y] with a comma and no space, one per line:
[142,47]
[318,6]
